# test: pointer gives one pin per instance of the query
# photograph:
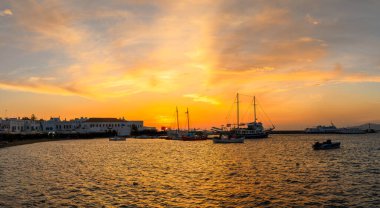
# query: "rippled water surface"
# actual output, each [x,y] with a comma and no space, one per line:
[280,171]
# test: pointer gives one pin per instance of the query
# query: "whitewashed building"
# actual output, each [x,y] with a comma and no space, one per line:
[17,125]
[79,125]
[99,125]
[32,126]
[51,125]
[62,126]
[2,125]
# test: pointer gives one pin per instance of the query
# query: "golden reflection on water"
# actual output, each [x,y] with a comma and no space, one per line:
[279,171]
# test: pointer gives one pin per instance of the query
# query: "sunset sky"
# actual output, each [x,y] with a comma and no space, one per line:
[307,62]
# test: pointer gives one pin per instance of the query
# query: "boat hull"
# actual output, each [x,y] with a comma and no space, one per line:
[254,136]
[187,138]
[334,145]
[228,141]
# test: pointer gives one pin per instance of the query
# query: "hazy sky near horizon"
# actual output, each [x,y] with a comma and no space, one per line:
[308,62]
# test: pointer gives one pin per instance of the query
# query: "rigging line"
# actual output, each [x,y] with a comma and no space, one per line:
[172,122]
[229,112]
[266,115]
[247,109]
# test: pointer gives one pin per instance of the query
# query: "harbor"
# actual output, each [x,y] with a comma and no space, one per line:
[280,171]
[18,131]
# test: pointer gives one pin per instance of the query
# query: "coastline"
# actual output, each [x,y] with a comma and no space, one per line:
[10,140]
[5,144]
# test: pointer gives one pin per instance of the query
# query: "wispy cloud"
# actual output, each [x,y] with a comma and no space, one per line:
[50,24]
[42,88]
[204,99]
[312,20]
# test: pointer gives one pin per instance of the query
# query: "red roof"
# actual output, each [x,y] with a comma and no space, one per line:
[104,120]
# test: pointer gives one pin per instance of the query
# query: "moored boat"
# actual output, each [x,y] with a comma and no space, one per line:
[332,129]
[254,130]
[175,134]
[326,145]
[192,135]
[322,129]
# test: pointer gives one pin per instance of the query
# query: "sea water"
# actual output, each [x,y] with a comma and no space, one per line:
[281,171]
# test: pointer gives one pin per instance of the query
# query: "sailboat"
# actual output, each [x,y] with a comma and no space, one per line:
[192,135]
[254,130]
[175,135]
[231,137]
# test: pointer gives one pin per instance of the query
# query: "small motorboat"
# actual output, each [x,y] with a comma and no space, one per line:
[227,139]
[117,138]
[326,145]
[194,136]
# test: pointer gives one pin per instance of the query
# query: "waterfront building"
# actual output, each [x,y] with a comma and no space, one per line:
[62,126]
[137,125]
[31,126]
[17,125]
[78,125]
[52,125]
[100,125]
[3,125]
[14,125]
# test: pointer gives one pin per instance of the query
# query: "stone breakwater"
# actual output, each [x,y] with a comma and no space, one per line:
[7,140]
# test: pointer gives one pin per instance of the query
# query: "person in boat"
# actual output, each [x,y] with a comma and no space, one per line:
[328,141]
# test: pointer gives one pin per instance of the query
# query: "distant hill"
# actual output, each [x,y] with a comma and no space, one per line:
[365,126]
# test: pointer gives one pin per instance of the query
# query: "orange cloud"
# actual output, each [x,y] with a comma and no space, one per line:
[204,99]
[42,88]
[6,12]
[50,23]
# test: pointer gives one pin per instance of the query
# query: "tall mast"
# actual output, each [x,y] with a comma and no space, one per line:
[254,108]
[177,120]
[188,120]
[237,109]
